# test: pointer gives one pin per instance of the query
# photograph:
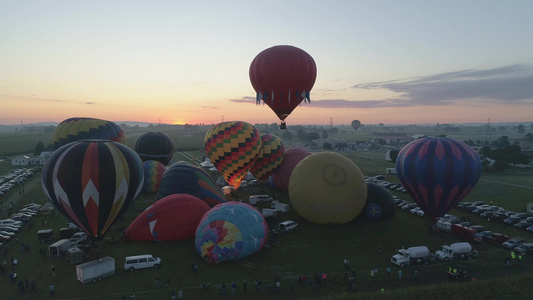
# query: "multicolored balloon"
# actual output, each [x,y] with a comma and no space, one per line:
[184,178]
[233,148]
[282,174]
[155,146]
[230,231]
[438,173]
[380,203]
[327,188]
[93,182]
[74,129]
[153,171]
[172,218]
[283,77]
[269,157]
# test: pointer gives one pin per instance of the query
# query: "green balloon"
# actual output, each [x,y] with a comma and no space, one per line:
[327,188]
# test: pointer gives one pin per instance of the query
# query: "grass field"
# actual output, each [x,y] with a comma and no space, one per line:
[310,249]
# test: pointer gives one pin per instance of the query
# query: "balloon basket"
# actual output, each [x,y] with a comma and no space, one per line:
[283,125]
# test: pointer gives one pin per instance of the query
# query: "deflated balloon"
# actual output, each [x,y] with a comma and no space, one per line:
[184,178]
[291,158]
[153,171]
[233,147]
[269,158]
[172,218]
[155,146]
[93,182]
[74,129]
[230,231]
[327,188]
[438,173]
[379,202]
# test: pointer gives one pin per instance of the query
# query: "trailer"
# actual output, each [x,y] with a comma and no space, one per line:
[278,206]
[95,270]
[59,248]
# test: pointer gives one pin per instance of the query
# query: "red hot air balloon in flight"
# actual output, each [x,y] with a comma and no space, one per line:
[283,77]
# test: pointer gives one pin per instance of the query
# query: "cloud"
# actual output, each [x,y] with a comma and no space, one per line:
[209,107]
[509,84]
[89,102]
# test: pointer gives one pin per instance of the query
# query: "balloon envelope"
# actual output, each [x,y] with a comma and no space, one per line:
[172,218]
[74,129]
[379,202]
[155,146]
[438,173]
[184,178]
[356,124]
[291,158]
[233,148]
[92,182]
[283,76]
[230,231]
[153,171]
[327,188]
[269,158]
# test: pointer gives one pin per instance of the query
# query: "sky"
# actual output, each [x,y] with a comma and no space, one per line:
[187,62]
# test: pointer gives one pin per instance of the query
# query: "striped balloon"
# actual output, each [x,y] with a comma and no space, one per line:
[438,173]
[233,147]
[93,182]
[269,158]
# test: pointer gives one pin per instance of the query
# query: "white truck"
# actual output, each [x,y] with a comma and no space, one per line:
[411,256]
[95,270]
[278,206]
[461,250]
[444,226]
[254,199]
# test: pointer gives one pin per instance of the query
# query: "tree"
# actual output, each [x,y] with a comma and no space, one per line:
[287,135]
[312,136]
[529,137]
[300,134]
[38,148]
[324,134]
[520,129]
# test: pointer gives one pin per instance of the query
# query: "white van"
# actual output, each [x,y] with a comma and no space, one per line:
[141,261]
[287,226]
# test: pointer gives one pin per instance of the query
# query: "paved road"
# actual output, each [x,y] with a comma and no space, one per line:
[509,184]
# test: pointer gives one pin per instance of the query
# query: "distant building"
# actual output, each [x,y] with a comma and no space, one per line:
[25,160]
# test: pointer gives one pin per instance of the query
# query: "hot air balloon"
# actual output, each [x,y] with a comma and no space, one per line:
[93,182]
[327,188]
[153,171]
[184,178]
[291,158]
[230,231]
[172,218]
[438,173]
[233,148]
[74,129]
[356,124]
[283,77]
[155,146]
[270,157]
[380,203]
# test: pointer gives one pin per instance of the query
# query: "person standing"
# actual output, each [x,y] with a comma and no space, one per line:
[52,287]
[180,294]
[33,288]
[400,273]
[244,285]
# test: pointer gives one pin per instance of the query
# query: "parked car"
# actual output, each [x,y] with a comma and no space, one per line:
[409,206]
[530,228]
[486,233]
[496,238]
[522,224]
[524,249]
[512,243]
[415,210]
[512,220]
[478,228]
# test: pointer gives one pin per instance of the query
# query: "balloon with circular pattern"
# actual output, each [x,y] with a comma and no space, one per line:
[230,231]
[327,188]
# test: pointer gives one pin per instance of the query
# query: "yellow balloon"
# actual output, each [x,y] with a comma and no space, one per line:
[327,188]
